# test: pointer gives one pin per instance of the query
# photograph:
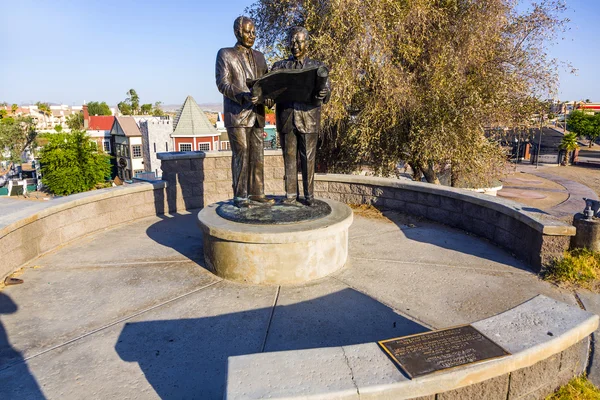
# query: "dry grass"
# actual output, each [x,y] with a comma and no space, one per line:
[577,389]
[579,268]
[368,211]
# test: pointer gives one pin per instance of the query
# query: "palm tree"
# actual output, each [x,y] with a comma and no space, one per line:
[568,143]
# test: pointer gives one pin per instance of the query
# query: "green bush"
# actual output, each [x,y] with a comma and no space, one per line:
[577,389]
[71,163]
[579,266]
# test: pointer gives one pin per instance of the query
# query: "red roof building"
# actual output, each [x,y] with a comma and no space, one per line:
[99,127]
[100,122]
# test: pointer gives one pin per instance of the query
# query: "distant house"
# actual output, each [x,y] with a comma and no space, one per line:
[98,128]
[192,129]
[126,140]
[156,138]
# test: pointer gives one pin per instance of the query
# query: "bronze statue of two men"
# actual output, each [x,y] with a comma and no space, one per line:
[298,123]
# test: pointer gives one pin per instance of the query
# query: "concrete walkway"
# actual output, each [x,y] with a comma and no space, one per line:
[132,312]
[576,192]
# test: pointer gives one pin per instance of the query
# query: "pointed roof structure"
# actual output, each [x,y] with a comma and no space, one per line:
[192,121]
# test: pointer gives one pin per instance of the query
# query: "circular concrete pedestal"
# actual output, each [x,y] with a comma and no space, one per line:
[276,254]
[588,233]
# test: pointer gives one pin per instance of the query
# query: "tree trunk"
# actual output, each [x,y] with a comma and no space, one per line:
[454,174]
[429,173]
[567,158]
[416,171]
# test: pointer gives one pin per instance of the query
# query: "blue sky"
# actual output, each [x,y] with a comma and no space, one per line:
[70,51]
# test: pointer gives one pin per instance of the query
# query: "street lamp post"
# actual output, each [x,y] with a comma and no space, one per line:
[539,150]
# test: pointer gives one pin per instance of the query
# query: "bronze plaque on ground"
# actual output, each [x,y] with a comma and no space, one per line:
[435,351]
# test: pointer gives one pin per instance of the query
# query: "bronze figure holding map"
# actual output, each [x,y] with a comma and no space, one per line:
[299,120]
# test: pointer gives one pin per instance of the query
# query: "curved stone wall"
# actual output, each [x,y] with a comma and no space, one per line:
[52,224]
[196,179]
[551,340]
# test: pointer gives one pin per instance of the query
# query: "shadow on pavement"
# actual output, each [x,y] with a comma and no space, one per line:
[181,233]
[450,238]
[16,381]
[187,358]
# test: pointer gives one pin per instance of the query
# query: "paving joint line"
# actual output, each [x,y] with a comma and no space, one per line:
[111,324]
[262,350]
[67,267]
[518,272]
[401,313]
[351,371]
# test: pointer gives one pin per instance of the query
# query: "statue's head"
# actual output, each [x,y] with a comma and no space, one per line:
[243,28]
[298,42]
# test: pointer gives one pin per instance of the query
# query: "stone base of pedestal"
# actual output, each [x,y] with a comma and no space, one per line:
[276,254]
[588,233]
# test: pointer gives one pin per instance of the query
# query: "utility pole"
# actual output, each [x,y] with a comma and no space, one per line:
[537,157]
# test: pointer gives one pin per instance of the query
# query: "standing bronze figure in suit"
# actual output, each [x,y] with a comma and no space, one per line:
[298,124]
[244,117]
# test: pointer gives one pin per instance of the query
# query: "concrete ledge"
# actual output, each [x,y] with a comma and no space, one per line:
[549,342]
[68,218]
[189,155]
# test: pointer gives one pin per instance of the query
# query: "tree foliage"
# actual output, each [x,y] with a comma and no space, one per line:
[125,108]
[134,100]
[584,124]
[16,135]
[71,163]
[75,121]
[157,110]
[44,108]
[97,108]
[419,80]
[146,109]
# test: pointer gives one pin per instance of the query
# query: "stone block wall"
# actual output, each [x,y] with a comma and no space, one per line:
[533,382]
[195,179]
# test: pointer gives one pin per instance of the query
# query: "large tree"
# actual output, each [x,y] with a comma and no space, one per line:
[97,108]
[71,163]
[75,121]
[419,80]
[134,100]
[584,124]
[16,136]
[569,144]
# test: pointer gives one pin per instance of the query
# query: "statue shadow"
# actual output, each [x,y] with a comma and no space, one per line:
[179,232]
[447,237]
[16,381]
[187,358]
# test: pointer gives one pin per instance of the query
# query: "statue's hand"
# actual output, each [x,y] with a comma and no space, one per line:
[322,94]
[247,97]
[269,103]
